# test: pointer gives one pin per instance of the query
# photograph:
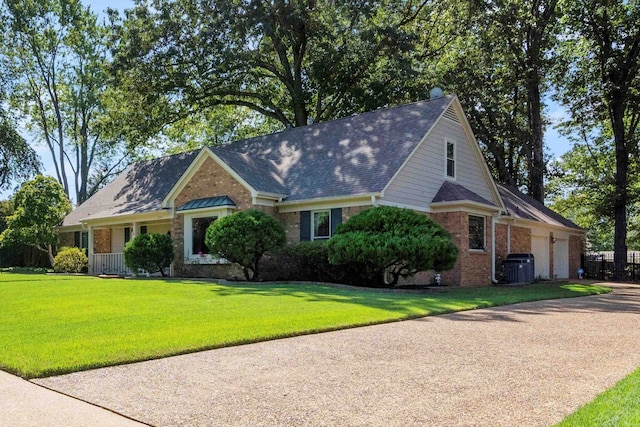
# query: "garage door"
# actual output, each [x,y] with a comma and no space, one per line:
[540,251]
[561,258]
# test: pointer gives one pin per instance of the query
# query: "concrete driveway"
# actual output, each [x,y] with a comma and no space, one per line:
[529,364]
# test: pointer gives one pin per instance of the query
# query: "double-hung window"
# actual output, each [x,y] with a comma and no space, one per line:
[321,225]
[476,232]
[450,159]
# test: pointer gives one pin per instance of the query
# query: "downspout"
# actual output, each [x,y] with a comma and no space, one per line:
[493,249]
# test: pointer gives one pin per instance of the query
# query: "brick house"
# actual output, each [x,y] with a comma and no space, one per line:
[422,156]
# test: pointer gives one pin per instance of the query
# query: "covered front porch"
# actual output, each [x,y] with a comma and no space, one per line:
[106,245]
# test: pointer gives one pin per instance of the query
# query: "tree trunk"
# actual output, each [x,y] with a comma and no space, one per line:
[620,204]
[50,254]
[533,83]
[536,167]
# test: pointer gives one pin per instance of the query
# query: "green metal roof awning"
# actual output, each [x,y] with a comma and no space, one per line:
[207,202]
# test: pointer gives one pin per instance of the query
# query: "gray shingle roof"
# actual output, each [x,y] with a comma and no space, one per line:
[452,192]
[261,174]
[522,206]
[139,189]
[355,155]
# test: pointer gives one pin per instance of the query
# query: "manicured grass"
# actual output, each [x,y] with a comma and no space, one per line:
[618,406]
[59,324]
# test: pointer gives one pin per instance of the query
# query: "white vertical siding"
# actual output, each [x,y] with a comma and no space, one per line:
[117,240]
[561,259]
[420,179]
[540,251]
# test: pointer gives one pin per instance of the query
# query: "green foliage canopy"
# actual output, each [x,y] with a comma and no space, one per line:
[152,252]
[392,241]
[288,61]
[599,82]
[244,237]
[18,161]
[39,206]
[53,55]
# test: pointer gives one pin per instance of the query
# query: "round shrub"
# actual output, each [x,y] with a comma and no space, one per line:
[385,243]
[244,237]
[70,260]
[152,252]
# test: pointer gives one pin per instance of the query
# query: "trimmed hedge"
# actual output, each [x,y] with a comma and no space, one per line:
[70,260]
[382,244]
[244,237]
[152,252]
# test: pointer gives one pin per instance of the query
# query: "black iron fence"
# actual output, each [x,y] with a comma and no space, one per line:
[600,266]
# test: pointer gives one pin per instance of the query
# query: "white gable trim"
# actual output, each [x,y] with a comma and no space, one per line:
[478,153]
[475,148]
[417,147]
[194,167]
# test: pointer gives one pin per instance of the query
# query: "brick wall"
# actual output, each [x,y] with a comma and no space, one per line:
[473,268]
[501,241]
[102,241]
[576,249]
[520,240]
[291,221]
[209,181]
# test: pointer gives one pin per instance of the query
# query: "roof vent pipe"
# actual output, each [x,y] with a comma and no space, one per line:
[436,93]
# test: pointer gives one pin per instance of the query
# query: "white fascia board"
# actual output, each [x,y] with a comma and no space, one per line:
[424,209]
[327,203]
[207,210]
[164,215]
[538,226]
[273,196]
[464,205]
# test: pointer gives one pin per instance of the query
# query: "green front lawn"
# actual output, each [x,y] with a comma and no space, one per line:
[618,406]
[59,324]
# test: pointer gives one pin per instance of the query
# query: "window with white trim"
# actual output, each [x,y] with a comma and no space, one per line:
[199,227]
[321,225]
[195,232]
[476,232]
[450,159]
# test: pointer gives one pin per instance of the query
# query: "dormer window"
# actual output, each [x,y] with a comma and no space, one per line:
[450,159]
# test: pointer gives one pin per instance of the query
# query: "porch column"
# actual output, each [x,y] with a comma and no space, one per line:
[134,230]
[90,250]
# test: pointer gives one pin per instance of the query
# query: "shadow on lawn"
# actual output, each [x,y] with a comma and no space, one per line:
[408,304]
[413,305]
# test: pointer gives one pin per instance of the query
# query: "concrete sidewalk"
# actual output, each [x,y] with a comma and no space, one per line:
[529,364]
[26,404]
